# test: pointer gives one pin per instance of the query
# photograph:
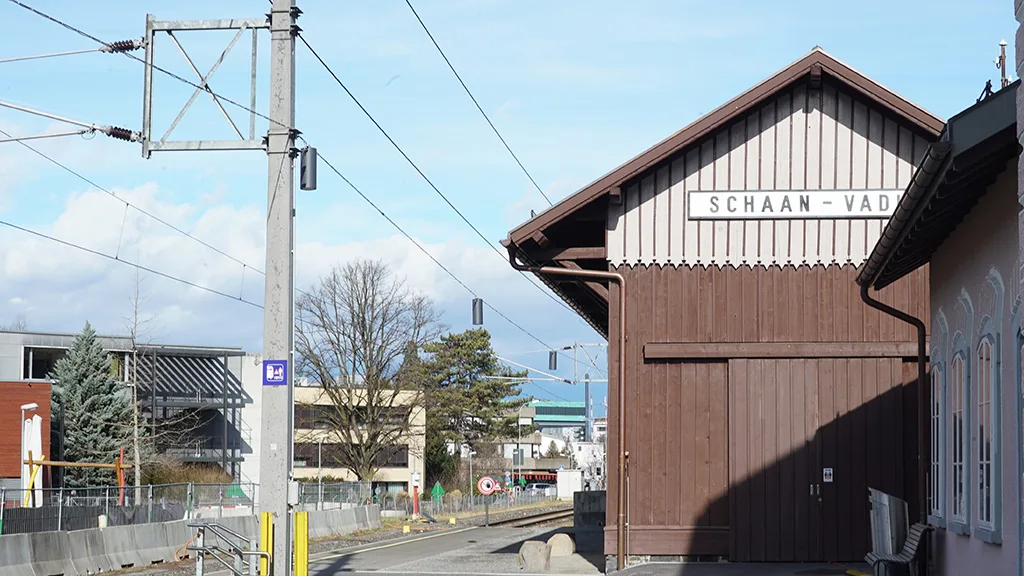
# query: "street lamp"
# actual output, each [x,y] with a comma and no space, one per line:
[472,496]
[320,473]
[24,467]
[586,411]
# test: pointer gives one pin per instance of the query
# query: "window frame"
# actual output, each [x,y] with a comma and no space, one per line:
[937,483]
[960,523]
[988,531]
[989,333]
[937,509]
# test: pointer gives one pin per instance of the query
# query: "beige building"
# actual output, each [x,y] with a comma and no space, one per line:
[316,453]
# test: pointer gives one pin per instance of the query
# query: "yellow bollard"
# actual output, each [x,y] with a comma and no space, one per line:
[302,544]
[451,521]
[266,541]
[405,529]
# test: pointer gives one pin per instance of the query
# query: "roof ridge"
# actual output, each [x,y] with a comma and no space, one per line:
[721,115]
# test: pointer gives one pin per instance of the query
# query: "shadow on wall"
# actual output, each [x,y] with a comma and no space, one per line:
[806,438]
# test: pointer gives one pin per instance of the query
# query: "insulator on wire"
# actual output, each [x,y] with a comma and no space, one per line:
[121,133]
[122,46]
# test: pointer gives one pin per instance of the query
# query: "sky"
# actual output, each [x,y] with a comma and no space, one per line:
[575,87]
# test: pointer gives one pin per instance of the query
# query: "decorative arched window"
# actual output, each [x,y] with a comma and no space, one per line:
[958,386]
[935,486]
[988,438]
[937,417]
[987,429]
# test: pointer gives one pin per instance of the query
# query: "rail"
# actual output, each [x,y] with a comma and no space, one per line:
[534,519]
[240,550]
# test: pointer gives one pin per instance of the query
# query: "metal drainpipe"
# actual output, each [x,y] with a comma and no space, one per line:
[620,488]
[922,372]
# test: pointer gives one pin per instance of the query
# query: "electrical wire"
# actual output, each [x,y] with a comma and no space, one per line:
[132,264]
[503,256]
[162,70]
[250,110]
[435,260]
[477,104]
[53,55]
[127,203]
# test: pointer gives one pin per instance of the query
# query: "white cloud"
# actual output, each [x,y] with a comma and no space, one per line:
[69,286]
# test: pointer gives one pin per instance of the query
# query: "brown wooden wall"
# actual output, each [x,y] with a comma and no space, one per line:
[693,458]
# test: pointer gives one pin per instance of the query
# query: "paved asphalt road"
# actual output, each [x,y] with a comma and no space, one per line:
[472,551]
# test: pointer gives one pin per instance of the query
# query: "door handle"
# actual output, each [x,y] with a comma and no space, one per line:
[817,489]
[811,485]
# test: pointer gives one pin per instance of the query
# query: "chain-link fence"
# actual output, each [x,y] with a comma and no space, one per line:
[336,493]
[79,508]
[49,509]
[459,503]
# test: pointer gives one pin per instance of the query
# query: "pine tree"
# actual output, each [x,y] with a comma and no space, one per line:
[463,406]
[96,410]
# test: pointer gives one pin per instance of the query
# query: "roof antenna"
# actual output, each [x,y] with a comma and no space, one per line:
[1004,81]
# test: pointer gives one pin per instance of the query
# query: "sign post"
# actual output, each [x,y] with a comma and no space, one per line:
[487,486]
[415,495]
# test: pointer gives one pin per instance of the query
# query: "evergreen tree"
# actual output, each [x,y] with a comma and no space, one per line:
[96,408]
[464,407]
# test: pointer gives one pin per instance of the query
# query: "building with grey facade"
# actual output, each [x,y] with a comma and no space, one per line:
[199,389]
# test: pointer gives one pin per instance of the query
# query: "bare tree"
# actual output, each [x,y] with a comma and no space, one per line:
[17,325]
[171,430]
[358,333]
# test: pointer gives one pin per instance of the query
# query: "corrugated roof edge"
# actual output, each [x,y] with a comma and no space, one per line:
[918,195]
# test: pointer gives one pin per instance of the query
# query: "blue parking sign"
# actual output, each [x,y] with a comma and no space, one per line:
[275,372]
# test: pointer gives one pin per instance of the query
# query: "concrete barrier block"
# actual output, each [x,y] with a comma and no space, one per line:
[347,517]
[15,555]
[561,545]
[374,514]
[49,554]
[535,556]
[120,546]
[361,518]
[157,542]
[87,551]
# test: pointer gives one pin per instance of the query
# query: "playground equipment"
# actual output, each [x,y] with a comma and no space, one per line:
[36,465]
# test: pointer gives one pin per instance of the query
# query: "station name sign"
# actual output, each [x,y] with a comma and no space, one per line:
[792,204]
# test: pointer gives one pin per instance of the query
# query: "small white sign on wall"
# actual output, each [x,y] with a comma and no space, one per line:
[826,475]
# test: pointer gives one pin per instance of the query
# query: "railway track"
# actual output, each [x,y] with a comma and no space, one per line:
[535,519]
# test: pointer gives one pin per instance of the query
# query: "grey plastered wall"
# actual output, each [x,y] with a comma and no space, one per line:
[986,240]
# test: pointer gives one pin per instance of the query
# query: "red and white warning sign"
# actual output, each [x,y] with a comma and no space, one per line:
[486,485]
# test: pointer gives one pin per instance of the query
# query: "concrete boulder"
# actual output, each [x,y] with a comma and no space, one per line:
[561,545]
[535,556]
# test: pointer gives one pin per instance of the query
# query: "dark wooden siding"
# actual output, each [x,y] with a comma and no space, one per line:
[680,502]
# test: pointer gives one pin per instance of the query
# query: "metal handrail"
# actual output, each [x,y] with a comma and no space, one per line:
[217,529]
[240,552]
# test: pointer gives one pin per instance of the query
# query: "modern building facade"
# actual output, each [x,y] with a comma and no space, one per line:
[559,418]
[762,396]
[317,442]
[197,388]
[961,219]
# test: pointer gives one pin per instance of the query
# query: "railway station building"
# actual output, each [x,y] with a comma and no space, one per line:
[762,395]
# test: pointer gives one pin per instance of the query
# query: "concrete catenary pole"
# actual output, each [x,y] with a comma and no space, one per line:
[278,313]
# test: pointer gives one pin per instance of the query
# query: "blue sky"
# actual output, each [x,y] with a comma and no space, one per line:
[575,87]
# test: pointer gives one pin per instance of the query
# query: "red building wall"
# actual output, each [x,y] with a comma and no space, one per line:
[14,395]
